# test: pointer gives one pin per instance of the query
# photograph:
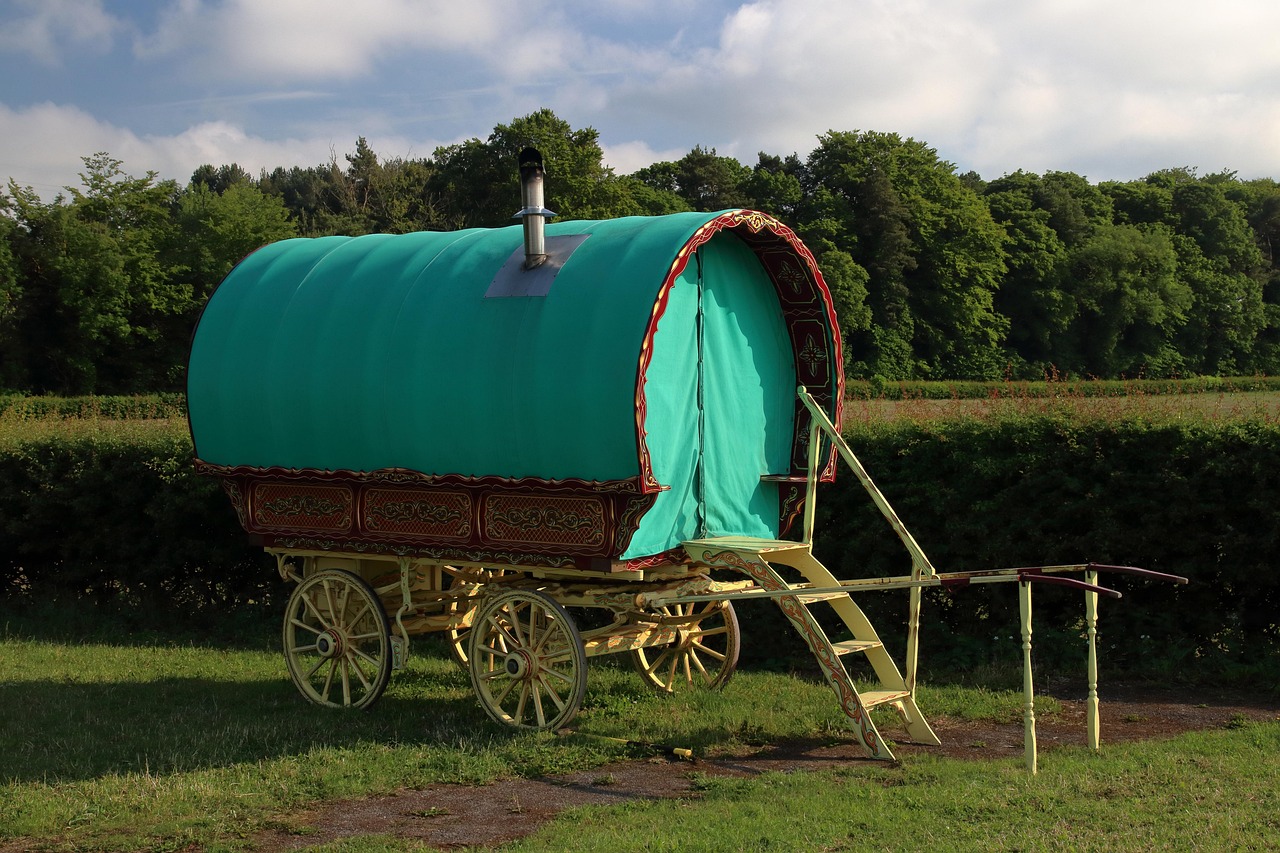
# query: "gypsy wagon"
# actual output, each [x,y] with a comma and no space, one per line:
[469,432]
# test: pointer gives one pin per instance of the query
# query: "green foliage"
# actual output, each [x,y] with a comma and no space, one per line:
[935,275]
[1128,303]
[116,517]
[479,181]
[933,254]
[112,279]
[94,280]
[1058,387]
[703,179]
[217,229]
[16,407]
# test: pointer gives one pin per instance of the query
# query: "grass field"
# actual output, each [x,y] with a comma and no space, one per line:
[1263,405]
[1210,791]
[16,426]
[172,747]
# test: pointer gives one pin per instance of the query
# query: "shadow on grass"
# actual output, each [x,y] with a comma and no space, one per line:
[80,622]
[62,732]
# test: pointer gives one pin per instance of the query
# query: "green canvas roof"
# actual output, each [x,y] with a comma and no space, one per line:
[436,353]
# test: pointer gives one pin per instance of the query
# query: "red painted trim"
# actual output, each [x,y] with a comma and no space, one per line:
[526,521]
[807,311]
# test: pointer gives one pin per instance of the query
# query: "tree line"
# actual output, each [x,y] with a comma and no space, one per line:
[935,274]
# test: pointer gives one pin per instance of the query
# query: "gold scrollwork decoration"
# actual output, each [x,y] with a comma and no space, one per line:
[308,505]
[403,512]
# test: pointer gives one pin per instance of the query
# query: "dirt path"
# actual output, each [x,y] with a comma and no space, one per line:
[446,816]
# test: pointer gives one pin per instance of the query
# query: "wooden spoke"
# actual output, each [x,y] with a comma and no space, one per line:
[336,640]
[328,678]
[464,607]
[523,642]
[703,654]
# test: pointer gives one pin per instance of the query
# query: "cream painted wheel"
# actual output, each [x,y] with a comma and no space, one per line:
[704,653]
[336,641]
[527,663]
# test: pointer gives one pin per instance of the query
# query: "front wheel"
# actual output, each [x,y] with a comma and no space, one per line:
[527,662]
[337,644]
[703,654]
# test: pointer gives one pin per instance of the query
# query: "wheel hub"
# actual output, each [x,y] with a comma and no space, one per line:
[518,664]
[329,644]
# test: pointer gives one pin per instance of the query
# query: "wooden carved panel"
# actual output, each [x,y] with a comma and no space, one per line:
[294,506]
[569,522]
[419,513]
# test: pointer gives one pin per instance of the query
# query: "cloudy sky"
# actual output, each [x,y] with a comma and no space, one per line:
[1111,89]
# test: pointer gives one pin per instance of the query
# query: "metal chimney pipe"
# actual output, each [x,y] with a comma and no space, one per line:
[533,214]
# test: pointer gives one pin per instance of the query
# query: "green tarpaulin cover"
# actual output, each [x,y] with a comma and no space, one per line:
[423,352]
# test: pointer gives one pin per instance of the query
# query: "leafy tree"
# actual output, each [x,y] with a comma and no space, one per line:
[776,186]
[220,178]
[663,176]
[703,178]
[1261,201]
[1129,303]
[1140,202]
[479,185]
[847,282]
[369,196]
[1076,208]
[1222,265]
[646,200]
[216,230]
[305,192]
[1219,263]
[933,254]
[10,298]
[1031,293]
[95,284]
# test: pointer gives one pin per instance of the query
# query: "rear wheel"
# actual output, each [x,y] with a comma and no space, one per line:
[336,641]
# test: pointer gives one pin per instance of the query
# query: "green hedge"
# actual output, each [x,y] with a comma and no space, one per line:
[118,520]
[140,406]
[1198,499]
[874,389]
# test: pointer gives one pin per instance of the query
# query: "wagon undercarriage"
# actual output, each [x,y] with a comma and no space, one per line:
[351,618]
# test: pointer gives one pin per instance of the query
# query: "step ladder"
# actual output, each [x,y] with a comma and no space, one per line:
[754,556]
[756,559]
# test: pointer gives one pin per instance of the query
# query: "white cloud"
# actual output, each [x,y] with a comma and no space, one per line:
[627,157]
[44,144]
[315,39]
[1110,89]
[50,27]
[47,142]
[1107,89]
